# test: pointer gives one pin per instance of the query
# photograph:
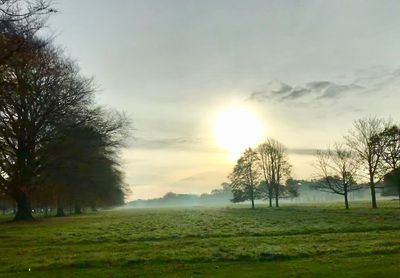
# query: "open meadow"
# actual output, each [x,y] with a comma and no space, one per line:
[303,240]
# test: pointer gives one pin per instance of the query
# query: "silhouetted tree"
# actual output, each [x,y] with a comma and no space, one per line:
[365,141]
[336,170]
[245,178]
[275,170]
[40,89]
[82,162]
[19,22]
[12,11]
[391,156]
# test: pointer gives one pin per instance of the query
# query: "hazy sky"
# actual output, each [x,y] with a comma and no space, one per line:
[306,69]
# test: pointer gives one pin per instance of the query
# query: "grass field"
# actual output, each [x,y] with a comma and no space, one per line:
[291,241]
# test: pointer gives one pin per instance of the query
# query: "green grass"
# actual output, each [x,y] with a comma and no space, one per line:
[306,240]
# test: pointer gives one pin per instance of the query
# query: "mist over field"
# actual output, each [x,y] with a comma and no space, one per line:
[220,198]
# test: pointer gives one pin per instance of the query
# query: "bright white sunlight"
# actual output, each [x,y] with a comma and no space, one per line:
[237,128]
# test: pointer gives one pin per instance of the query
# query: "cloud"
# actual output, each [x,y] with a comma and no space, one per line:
[183,143]
[205,180]
[296,93]
[166,143]
[280,91]
[303,151]
[362,82]
[334,90]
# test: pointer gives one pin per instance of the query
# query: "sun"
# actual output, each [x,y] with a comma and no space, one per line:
[237,128]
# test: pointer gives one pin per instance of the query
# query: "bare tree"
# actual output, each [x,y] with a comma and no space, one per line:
[20,20]
[364,141]
[336,170]
[39,89]
[275,168]
[245,178]
[26,11]
[268,171]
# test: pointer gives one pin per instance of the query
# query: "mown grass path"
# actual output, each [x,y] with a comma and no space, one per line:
[284,242]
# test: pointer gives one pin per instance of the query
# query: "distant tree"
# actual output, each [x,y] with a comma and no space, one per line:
[336,170]
[268,174]
[245,178]
[391,156]
[292,188]
[365,141]
[391,183]
[225,189]
[275,170]
[218,196]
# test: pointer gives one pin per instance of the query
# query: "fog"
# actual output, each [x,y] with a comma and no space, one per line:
[222,197]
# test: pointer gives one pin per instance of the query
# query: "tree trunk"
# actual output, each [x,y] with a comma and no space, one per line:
[373,195]
[77,209]
[60,208]
[270,193]
[60,212]
[398,191]
[277,196]
[93,207]
[346,201]
[252,197]
[24,212]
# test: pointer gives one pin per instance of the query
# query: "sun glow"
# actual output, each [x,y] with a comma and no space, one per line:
[237,128]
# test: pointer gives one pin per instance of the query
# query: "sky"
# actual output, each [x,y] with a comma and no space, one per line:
[305,69]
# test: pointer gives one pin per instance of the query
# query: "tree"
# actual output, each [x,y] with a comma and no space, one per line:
[12,11]
[391,156]
[275,169]
[46,104]
[268,174]
[39,90]
[20,20]
[336,170]
[82,162]
[245,178]
[392,183]
[292,188]
[364,141]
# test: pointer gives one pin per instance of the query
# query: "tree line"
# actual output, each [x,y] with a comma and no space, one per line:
[57,147]
[217,197]
[368,156]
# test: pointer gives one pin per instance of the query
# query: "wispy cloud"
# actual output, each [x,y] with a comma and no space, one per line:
[201,180]
[166,143]
[280,91]
[303,151]
[195,144]
[368,81]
